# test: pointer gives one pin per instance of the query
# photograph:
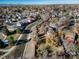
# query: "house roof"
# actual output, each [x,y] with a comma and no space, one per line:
[1,35]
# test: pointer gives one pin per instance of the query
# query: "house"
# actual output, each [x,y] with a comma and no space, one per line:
[11,27]
[19,25]
[2,36]
[53,25]
[1,22]
[8,21]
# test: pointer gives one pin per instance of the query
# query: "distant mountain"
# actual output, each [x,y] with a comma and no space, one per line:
[11,4]
[25,4]
[7,4]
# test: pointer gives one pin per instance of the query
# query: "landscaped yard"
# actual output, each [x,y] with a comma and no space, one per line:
[13,37]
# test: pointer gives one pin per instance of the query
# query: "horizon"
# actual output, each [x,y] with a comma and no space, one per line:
[39,2]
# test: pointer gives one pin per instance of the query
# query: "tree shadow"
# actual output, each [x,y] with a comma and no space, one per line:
[27,31]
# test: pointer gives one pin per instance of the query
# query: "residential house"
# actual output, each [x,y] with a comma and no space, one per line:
[11,27]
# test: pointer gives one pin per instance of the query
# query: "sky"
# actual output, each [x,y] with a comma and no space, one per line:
[39,2]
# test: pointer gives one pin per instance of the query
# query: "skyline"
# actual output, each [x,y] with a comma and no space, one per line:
[27,2]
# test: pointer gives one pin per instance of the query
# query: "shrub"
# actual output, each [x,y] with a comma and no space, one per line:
[11,39]
[18,31]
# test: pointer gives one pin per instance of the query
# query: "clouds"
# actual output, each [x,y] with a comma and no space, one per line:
[39,1]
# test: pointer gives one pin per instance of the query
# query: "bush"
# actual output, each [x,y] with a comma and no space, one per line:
[18,31]
[11,39]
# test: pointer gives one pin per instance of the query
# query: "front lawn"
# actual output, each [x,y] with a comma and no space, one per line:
[13,36]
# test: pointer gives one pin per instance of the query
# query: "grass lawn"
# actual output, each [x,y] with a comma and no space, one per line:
[15,36]
[12,37]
